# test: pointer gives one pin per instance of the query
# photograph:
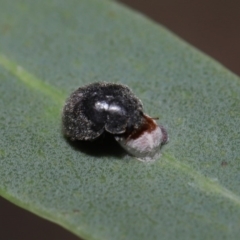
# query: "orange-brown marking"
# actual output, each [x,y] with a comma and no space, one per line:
[148,126]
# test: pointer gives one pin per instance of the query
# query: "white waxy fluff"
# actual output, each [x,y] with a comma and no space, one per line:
[146,147]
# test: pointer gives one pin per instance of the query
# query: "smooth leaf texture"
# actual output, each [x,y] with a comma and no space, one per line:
[49,48]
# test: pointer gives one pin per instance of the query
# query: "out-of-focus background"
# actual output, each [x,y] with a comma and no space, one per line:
[210,25]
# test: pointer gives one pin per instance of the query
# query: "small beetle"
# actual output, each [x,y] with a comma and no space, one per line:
[110,107]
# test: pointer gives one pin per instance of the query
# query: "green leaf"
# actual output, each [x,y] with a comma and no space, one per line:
[48,49]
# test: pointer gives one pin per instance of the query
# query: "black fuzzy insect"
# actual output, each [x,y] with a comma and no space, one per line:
[99,107]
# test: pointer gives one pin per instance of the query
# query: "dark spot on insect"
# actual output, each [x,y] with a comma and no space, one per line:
[147,126]
[165,135]
[224,163]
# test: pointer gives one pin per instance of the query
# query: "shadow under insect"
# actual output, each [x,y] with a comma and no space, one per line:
[103,146]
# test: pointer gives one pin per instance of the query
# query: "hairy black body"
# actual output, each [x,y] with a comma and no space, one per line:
[99,107]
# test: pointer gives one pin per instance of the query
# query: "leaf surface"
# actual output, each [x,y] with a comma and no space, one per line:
[48,49]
